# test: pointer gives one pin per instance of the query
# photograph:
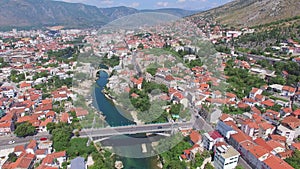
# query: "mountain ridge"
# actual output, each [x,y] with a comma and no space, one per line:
[43,13]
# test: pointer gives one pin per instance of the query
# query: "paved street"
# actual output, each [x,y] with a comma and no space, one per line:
[19,141]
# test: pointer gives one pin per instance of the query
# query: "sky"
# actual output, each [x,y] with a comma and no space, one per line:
[154,4]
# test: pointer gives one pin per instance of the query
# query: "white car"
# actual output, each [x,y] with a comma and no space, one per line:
[11,142]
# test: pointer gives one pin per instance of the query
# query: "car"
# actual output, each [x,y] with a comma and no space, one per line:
[43,139]
[11,142]
[159,127]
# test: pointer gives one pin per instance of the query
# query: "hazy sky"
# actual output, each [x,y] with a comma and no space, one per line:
[154,4]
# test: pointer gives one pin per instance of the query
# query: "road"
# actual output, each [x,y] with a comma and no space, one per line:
[19,141]
[260,57]
[133,129]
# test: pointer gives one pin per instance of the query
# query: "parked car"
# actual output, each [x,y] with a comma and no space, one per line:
[11,142]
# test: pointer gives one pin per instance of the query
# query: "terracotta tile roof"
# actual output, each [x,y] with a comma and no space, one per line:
[32,144]
[296,145]
[240,136]
[291,121]
[263,143]
[195,136]
[64,117]
[243,105]
[268,103]
[277,138]
[289,89]
[296,112]
[276,163]
[266,125]
[81,112]
[224,117]
[247,144]
[230,95]
[19,148]
[258,151]
[274,144]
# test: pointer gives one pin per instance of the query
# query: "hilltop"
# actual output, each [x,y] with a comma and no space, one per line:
[240,13]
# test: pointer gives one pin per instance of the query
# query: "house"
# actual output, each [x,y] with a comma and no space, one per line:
[195,137]
[285,112]
[295,146]
[286,132]
[78,163]
[272,117]
[65,118]
[31,147]
[250,128]
[24,161]
[273,162]
[55,159]
[81,113]
[6,127]
[278,138]
[296,113]
[254,92]
[190,153]
[288,91]
[137,82]
[226,129]
[211,138]
[225,157]
[256,155]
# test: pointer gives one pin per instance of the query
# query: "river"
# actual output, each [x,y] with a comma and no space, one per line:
[115,118]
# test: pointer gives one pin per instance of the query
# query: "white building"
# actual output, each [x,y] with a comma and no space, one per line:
[226,157]
[286,132]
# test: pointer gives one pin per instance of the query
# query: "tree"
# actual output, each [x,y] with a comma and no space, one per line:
[12,157]
[140,46]
[208,166]
[294,160]
[25,129]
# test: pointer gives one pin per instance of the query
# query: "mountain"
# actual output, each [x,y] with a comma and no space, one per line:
[240,13]
[22,13]
[42,13]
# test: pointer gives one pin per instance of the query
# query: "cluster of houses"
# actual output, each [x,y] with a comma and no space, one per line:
[38,154]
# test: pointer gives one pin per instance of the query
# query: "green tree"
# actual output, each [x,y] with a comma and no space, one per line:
[25,129]
[294,160]
[208,166]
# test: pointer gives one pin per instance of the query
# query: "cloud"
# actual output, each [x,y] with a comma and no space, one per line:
[162,4]
[181,1]
[134,5]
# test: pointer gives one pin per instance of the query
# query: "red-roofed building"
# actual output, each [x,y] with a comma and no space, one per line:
[278,138]
[288,91]
[273,162]
[285,112]
[6,127]
[296,113]
[291,122]
[81,113]
[268,103]
[295,146]
[211,138]
[55,159]
[257,154]
[24,161]
[31,147]
[251,128]
[276,147]
[195,137]
[65,118]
